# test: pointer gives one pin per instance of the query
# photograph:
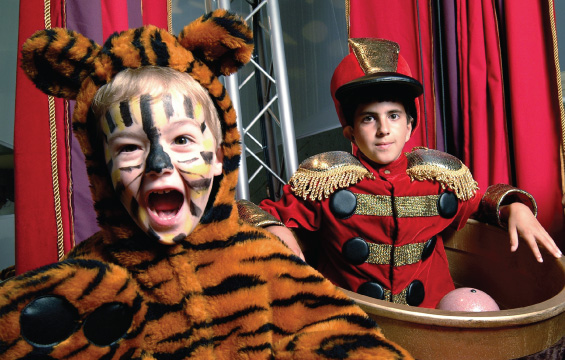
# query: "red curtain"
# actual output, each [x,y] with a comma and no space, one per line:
[509,123]
[534,103]
[36,183]
[482,93]
[45,192]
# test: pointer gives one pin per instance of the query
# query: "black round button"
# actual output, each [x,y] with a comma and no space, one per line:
[372,289]
[416,293]
[107,324]
[343,204]
[429,247]
[447,205]
[48,320]
[355,251]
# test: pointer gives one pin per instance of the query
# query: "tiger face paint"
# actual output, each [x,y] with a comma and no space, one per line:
[162,158]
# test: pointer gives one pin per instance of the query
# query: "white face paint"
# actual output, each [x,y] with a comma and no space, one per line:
[162,159]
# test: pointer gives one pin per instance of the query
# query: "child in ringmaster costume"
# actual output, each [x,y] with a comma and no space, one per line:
[378,213]
[174,273]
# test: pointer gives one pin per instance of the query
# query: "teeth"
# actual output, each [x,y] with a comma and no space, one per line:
[163,192]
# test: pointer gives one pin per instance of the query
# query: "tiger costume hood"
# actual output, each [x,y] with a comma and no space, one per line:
[229,290]
[66,64]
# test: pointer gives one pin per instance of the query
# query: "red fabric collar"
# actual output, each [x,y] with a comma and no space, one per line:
[396,167]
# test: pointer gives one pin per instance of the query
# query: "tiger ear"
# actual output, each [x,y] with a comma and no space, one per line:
[58,61]
[221,39]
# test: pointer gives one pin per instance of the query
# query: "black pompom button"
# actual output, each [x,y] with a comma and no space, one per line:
[355,251]
[343,204]
[48,320]
[107,324]
[429,247]
[447,205]
[416,293]
[372,289]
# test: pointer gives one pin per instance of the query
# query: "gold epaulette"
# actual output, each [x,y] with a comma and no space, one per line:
[320,175]
[254,215]
[446,169]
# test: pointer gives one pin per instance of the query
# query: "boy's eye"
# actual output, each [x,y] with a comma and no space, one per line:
[182,140]
[128,148]
[368,118]
[394,116]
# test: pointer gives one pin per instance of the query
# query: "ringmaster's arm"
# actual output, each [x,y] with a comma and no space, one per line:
[516,210]
[253,214]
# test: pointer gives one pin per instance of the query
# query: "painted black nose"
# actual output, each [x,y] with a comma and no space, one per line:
[157,160]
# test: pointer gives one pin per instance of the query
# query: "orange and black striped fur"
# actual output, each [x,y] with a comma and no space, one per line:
[228,291]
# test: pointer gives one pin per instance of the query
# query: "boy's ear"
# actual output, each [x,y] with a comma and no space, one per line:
[218,163]
[348,133]
[409,133]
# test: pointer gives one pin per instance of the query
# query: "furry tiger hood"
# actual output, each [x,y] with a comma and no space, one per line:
[66,64]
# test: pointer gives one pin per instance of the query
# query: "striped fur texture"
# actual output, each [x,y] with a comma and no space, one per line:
[228,291]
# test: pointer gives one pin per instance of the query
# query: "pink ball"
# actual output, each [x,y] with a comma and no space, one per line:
[467,299]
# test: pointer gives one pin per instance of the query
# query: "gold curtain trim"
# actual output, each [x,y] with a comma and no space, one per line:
[170,16]
[347,12]
[53,152]
[559,93]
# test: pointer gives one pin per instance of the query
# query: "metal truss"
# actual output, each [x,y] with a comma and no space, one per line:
[271,84]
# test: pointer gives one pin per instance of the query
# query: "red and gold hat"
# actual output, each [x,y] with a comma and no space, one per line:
[373,65]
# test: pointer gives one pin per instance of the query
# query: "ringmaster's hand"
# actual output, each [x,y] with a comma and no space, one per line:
[522,223]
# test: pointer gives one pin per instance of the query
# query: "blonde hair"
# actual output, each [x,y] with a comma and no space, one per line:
[156,81]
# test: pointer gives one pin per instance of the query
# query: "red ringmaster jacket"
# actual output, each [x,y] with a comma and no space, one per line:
[379,229]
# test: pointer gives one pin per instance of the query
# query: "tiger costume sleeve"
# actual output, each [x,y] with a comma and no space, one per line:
[228,290]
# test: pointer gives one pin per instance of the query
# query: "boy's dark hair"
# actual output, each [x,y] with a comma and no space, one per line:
[350,104]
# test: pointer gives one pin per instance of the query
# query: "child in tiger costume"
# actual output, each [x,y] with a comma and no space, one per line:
[174,272]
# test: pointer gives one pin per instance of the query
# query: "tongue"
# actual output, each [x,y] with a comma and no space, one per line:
[165,204]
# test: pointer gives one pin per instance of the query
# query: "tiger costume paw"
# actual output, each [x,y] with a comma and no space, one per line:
[72,309]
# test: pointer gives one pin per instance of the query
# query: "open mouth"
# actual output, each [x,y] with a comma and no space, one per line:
[165,204]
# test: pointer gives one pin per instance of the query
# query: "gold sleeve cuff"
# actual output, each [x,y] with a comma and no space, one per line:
[502,194]
[253,214]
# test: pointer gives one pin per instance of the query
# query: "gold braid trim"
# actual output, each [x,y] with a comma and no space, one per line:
[450,172]
[320,175]
[502,194]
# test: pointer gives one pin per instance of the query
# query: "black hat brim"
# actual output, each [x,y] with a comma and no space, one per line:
[381,82]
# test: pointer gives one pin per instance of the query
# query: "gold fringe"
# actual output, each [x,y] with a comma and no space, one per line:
[459,181]
[320,185]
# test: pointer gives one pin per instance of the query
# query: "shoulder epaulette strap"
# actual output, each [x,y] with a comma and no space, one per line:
[254,215]
[446,169]
[320,175]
